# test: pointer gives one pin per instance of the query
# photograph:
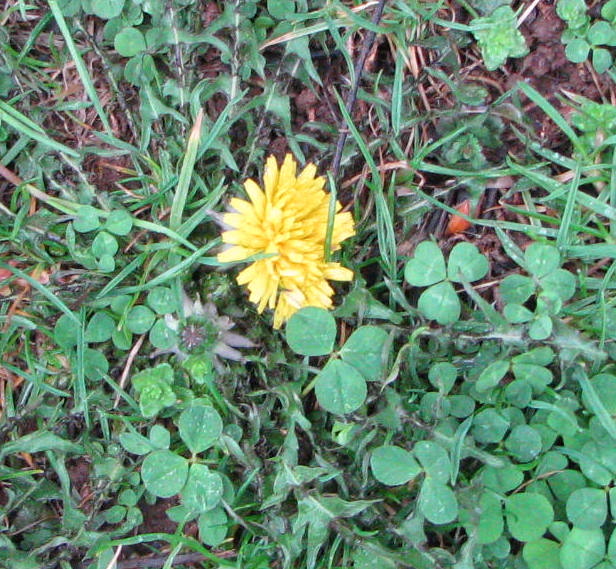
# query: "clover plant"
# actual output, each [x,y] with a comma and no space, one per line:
[340,387]
[584,39]
[97,253]
[197,482]
[548,285]
[596,121]
[427,268]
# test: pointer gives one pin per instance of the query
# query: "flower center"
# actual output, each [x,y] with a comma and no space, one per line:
[198,335]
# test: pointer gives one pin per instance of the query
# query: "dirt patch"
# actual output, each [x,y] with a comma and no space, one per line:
[155,519]
[547,69]
[104,173]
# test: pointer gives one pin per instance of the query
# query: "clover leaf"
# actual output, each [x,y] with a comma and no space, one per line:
[573,12]
[551,286]
[427,267]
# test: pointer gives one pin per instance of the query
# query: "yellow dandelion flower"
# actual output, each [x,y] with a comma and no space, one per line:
[285,224]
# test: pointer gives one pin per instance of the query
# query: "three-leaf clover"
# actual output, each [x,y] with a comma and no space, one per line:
[581,38]
[166,473]
[340,387]
[428,269]
[551,284]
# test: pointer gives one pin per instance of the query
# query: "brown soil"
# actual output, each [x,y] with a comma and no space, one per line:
[547,69]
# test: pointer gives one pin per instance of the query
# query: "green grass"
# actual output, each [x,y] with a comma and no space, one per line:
[454,384]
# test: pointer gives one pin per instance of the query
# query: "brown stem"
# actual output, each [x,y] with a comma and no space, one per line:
[352,96]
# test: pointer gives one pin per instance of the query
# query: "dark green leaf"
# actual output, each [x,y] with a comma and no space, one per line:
[541,259]
[200,427]
[437,502]
[492,375]
[100,328]
[587,508]
[466,263]
[542,554]
[203,490]
[213,527]
[434,459]
[442,375]
[140,319]
[365,350]
[524,443]
[440,302]
[582,549]
[427,266]
[516,289]
[40,441]
[489,426]
[129,42]
[86,219]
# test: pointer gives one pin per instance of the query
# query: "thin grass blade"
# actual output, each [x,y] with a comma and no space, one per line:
[80,65]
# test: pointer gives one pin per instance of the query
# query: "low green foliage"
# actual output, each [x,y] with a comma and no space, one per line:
[427,268]
[498,37]
[457,407]
[548,285]
[340,386]
[589,39]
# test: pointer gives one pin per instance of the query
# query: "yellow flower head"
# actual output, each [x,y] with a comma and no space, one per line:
[285,225]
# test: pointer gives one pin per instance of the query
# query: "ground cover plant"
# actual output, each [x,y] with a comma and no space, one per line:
[307,284]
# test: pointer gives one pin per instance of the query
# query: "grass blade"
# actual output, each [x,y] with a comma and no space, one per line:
[594,402]
[553,113]
[80,65]
[25,126]
[188,164]
[564,231]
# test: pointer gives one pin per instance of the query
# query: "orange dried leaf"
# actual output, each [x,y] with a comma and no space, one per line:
[458,224]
